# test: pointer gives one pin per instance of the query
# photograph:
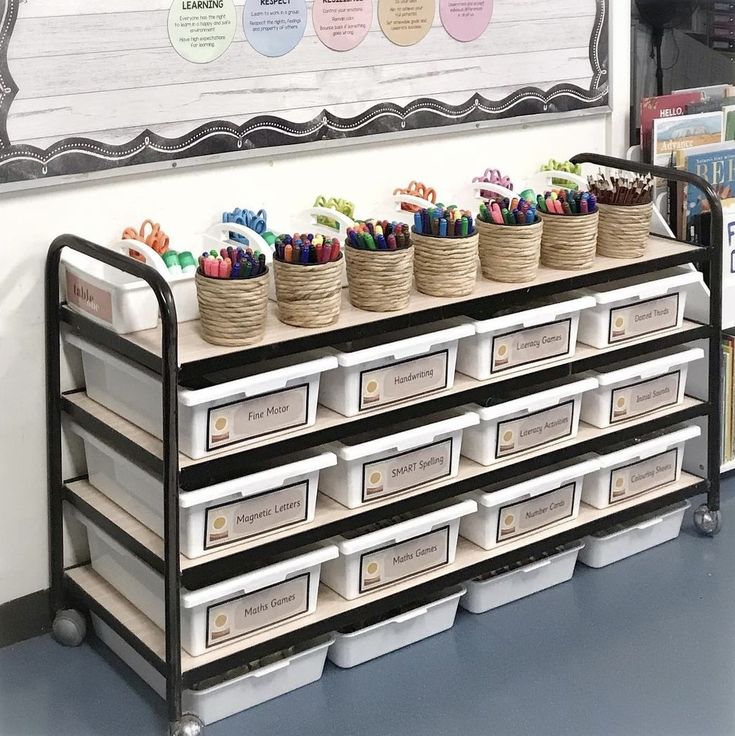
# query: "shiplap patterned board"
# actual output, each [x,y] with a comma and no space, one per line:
[89,86]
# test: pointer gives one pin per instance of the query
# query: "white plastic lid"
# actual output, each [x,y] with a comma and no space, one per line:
[650,447]
[407,440]
[649,368]
[265,480]
[540,400]
[404,530]
[641,287]
[534,317]
[535,486]
[409,346]
[257,579]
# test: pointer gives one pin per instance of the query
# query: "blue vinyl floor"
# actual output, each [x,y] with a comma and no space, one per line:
[645,647]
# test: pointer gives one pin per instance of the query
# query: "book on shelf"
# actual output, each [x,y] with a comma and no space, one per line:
[664,108]
[728,397]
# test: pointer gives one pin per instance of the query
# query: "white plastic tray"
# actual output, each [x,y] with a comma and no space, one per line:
[220,613]
[525,425]
[243,508]
[524,508]
[636,307]
[212,418]
[523,341]
[638,468]
[411,363]
[234,695]
[632,389]
[485,594]
[371,642]
[397,553]
[389,465]
[627,540]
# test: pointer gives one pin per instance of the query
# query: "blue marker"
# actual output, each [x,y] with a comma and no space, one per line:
[442,228]
[417,223]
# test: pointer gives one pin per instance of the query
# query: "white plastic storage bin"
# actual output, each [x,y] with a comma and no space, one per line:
[405,365]
[636,387]
[626,540]
[395,632]
[118,300]
[297,667]
[251,506]
[522,341]
[511,583]
[373,466]
[636,307]
[526,424]
[638,468]
[282,396]
[220,613]
[525,508]
[398,550]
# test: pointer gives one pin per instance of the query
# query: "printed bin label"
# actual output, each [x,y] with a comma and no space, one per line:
[644,397]
[396,562]
[644,475]
[261,415]
[89,298]
[407,470]
[534,430]
[265,512]
[254,611]
[527,516]
[643,318]
[532,345]
[404,380]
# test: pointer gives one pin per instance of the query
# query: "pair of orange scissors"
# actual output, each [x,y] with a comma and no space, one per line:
[156,238]
[416,189]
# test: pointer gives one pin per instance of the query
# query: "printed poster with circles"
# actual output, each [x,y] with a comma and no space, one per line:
[91,88]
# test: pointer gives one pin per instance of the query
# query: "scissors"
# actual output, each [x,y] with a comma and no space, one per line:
[341,205]
[255,221]
[493,176]
[156,238]
[416,189]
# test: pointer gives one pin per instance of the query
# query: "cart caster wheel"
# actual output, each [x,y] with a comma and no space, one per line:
[69,628]
[708,522]
[189,725]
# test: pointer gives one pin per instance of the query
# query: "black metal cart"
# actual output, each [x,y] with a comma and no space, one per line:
[70,595]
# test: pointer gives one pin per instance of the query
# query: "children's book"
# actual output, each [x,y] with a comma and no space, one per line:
[665,107]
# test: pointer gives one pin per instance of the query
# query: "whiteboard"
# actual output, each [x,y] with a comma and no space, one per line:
[96,86]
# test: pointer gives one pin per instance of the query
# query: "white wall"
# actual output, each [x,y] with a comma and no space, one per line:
[187,201]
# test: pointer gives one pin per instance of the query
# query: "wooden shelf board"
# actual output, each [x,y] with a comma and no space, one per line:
[193,348]
[326,418]
[329,510]
[330,603]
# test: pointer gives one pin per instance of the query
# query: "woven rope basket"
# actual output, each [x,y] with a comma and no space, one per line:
[309,295]
[232,311]
[380,280]
[624,231]
[569,242]
[445,267]
[510,254]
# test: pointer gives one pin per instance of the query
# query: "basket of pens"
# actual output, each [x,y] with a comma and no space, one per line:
[308,272]
[379,265]
[569,238]
[626,207]
[510,239]
[232,291]
[445,251]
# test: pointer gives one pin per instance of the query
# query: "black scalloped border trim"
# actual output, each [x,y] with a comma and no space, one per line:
[72,156]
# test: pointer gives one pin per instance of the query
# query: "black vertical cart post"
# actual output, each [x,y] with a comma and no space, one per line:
[178,356]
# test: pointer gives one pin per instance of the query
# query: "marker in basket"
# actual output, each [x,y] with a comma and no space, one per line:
[377,235]
[307,249]
[504,211]
[444,222]
[562,202]
[622,190]
[232,263]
